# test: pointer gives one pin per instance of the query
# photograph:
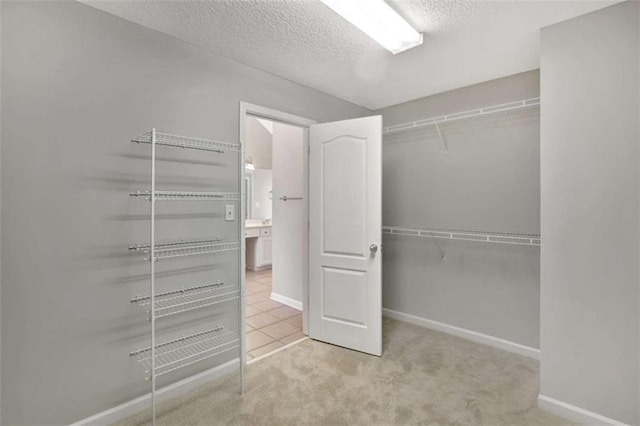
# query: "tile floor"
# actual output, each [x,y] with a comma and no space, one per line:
[270,324]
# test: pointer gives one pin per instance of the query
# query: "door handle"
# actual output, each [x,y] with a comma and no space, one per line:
[285,198]
[373,248]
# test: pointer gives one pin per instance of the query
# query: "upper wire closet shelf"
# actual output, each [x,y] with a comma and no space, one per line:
[188,195]
[167,139]
[470,114]
[489,237]
[188,299]
[188,350]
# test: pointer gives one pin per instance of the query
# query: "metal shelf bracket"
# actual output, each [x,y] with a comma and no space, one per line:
[444,143]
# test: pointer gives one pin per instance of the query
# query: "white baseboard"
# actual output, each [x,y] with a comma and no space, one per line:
[134,406]
[464,333]
[573,413]
[295,304]
[258,268]
[275,351]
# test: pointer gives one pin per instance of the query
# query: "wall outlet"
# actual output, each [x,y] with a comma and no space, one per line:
[229,212]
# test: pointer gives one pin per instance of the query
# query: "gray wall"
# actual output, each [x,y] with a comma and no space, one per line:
[489,181]
[77,85]
[589,258]
[290,218]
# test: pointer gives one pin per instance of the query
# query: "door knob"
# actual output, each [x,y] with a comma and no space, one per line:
[373,248]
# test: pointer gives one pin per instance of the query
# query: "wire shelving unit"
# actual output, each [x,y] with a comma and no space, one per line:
[159,359]
[449,234]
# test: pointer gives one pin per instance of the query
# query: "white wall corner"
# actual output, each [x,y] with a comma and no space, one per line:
[573,413]
[474,336]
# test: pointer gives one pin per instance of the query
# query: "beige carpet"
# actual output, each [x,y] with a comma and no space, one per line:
[424,377]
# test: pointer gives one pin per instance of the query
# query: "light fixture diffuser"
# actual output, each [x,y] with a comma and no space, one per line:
[379,21]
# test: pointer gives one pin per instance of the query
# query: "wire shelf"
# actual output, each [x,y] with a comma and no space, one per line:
[489,237]
[187,299]
[188,195]
[187,248]
[187,350]
[145,247]
[167,139]
[475,113]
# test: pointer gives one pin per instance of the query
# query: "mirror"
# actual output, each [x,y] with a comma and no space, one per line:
[259,194]
[258,181]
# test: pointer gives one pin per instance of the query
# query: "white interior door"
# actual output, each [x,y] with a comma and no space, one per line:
[345,235]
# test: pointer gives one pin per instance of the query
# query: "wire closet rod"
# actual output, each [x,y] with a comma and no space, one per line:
[448,234]
[474,113]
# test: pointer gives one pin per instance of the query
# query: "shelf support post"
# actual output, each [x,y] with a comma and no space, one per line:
[152,258]
[241,263]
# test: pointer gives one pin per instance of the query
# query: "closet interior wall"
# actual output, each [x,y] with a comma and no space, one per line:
[488,181]
[78,84]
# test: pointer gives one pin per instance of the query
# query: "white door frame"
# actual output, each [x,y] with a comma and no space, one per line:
[248,109]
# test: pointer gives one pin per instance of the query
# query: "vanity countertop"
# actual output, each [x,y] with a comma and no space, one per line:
[256,224]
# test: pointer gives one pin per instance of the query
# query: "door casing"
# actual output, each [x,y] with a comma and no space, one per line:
[248,109]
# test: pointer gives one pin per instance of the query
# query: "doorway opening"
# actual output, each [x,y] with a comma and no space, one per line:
[276,228]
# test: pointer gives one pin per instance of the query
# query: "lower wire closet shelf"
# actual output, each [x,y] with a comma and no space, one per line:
[187,350]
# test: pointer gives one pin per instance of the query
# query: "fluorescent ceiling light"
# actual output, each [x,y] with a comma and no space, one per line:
[379,21]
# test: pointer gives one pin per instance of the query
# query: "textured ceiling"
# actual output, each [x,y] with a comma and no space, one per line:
[466,42]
